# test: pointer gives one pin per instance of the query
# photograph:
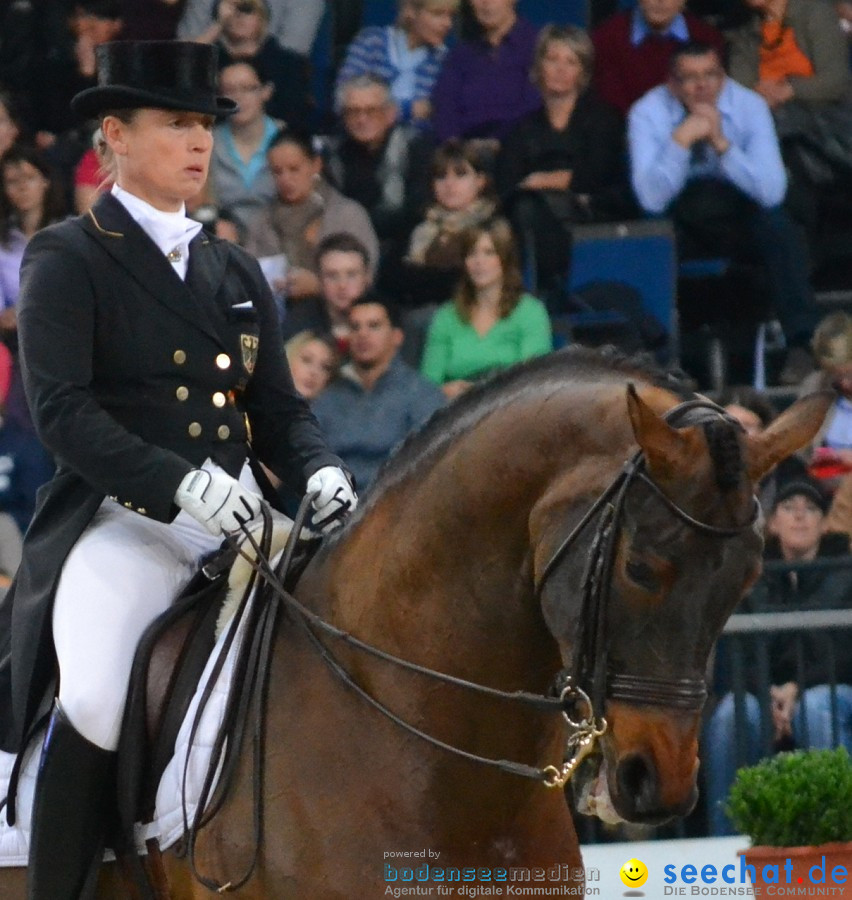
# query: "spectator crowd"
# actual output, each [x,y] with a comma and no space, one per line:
[414,219]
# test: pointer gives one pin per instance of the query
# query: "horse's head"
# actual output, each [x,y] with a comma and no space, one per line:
[683,547]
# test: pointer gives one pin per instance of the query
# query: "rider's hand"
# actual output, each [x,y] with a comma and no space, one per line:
[216,500]
[335,499]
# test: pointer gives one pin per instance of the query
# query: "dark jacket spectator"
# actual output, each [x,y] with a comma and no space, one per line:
[783,591]
[378,163]
[152,20]
[802,708]
[241,32]
[565,163]
[286,70]
[592,147]
[293,23]
[69,65]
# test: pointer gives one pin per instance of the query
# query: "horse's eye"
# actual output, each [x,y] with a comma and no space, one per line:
[641,574]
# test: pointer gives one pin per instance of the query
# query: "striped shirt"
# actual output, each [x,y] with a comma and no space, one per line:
[384,51]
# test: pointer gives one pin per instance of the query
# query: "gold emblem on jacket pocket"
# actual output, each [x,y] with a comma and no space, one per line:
[249,344]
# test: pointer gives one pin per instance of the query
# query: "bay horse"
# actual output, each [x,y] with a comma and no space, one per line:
[470,558]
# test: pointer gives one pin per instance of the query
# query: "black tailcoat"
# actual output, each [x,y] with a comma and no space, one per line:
[135,377]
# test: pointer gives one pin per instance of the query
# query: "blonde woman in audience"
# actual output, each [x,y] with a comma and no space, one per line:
[565,163]
[491,323]
[407,55]
[314,361]
[831,449]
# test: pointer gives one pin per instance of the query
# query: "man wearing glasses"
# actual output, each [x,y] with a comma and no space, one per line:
[703,151]
[380,163]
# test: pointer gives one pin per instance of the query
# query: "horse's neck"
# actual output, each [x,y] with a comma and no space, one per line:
[440,567]
[442,598]
[481,631]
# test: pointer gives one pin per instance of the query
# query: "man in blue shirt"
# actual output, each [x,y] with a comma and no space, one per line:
[377,399]
[704,152]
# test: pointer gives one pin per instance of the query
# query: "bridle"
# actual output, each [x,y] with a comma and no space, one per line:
[577,693]
[590,670]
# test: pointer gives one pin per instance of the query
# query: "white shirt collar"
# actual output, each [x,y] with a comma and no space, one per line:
[170,231]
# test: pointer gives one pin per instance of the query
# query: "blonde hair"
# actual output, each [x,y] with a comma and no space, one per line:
[407,7]
[576,39]
[832,340]
[303,338]
[103,151]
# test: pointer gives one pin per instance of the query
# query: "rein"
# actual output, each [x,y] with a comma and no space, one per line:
[567,702]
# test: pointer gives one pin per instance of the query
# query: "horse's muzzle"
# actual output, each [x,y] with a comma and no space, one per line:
[638,796]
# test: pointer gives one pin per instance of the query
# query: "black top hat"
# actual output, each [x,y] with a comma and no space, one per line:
[158,74]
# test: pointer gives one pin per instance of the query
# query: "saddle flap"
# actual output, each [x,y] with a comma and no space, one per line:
[168,662]
[167,667]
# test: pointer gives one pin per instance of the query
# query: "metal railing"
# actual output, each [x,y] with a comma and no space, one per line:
[744,666]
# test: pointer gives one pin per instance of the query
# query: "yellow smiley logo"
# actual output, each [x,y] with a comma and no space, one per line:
[634,873]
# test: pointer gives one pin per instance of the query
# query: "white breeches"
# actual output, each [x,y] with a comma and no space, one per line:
[124,570]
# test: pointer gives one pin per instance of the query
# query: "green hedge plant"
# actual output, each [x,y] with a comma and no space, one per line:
[794,799]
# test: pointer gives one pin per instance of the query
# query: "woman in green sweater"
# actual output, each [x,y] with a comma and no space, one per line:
[491,323]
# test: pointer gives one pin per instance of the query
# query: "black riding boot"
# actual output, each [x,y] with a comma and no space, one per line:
[70,813]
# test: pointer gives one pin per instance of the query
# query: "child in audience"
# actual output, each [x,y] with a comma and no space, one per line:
[314,360]
[463,199]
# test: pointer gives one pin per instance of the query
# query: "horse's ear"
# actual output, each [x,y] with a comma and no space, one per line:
[794,428]
[667,450]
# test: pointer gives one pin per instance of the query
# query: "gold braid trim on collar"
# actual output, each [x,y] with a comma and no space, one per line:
[100,228]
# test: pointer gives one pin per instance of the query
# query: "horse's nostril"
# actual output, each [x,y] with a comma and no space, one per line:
[637,783]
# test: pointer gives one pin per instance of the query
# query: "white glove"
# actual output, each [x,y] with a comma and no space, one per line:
[335,498]
[220,503]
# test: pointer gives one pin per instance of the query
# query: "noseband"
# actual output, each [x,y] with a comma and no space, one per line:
[589,672]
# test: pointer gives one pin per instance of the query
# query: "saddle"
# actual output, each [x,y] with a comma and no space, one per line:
[167,668]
